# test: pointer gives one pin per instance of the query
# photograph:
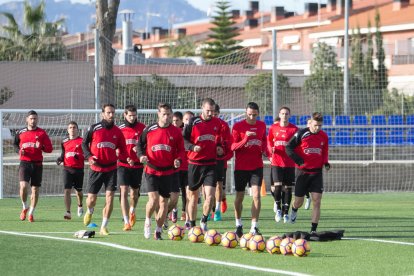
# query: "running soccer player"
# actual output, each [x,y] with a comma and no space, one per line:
[73,168]
[201,137]
[309,149]
[29,143]
[249,145]
[103,145]
[225,141]
[282,167]
[161,148]
[130,173]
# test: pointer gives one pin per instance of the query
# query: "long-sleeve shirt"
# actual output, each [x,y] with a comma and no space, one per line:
[203,133]
[308,150]
[225,142]
[131,132]
[249,149]
[277,139]
[31,143]
[101,142]
[161,145]
[72,153]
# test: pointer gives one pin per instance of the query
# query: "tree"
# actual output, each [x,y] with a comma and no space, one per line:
[382,73]
[106,13]
[259,89]
[184,47]
[222,39]
[39,40]
[5,94]
[357,56]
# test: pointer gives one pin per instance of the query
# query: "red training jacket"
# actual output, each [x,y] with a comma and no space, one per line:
[132,132]
[72,153]
[277,140]
[30,144]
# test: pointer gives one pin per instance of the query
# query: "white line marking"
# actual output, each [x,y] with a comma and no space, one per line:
[236,265]
[383,241]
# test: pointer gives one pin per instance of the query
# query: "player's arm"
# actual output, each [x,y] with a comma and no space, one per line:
[142,146]
[227,143]
[180,150]
[87,139]
[325,152]
[237,141]
[270,142]
[290,148]
[60,159]
[16,143]
[187,136]
[122,149]
[265,148]
[46,144]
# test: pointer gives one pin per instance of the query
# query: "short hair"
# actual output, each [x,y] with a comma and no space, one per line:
[178,114]
[31,112]
[73,123]
[217,108]
[317,116]
[106,105]
[164,106]
[209,101]
[252,105]
[130,108]
[189,113]
[284,107]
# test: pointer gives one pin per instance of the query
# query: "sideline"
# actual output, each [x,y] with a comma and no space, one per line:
[117,246]
[382,241]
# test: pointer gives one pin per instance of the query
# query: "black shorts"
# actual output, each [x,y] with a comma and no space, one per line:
[131,177]
[306,182]
[183,179]
[224,179]
[161,184]
[31,172]
[284,175]
[220,173]
[201,175]
[175,184]
[242,178]
[73,178]
[97,179]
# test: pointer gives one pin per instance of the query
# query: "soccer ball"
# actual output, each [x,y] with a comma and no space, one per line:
[301,248]
[212,237]
[176,233]
[244,241]
[257,243]
[273,245]
[286,246]
[196,234]
[229,240]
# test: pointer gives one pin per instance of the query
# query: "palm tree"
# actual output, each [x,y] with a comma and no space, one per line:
[37,40]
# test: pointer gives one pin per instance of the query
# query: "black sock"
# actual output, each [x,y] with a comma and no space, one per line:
[192,223]
[287,199]
[314,226]
[204,218]
[80,205]
[294,209]
[68,212]
[277,196]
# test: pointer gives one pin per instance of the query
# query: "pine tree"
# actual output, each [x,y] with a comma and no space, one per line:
[369,72]
[382,74]
[357,57]
[222,39]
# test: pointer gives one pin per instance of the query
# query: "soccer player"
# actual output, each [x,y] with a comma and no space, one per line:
[201,138]
[249,144]
[103,145]
[282,167]
[130,174]
[187,116]
[309,149]
[73,168]
[29,143]
[308,200]
[225,141]
[160,147]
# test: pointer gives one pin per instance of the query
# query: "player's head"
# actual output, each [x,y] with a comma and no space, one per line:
[108,113]
[207,108]
[308,121]
[315,125]
[73,129]
[216,110]
[32,119]
[252,111]
[177,119]
[164,114]
[284,114]
[130,113]
[187,116]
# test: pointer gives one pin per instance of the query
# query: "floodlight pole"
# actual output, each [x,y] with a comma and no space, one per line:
[346,58]
[1,155]
[274,74]
[97,84]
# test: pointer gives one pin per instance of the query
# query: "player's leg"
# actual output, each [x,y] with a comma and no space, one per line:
[301,187]
[35,183]
[288,182]
[209,181]
[240,187]
[218,197]
[110,180]
[24,187]
[223,195]
[134,193]
[193,191]
[152,203]
[308,201]
[68,181]
[183,187]
[173,201]
[95,182]
[316,189]
[256,182]
[166,183]
[122,179]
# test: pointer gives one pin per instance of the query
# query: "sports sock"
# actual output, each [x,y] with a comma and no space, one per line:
[80,205]
[131,209]
[277,196]
[254,224]
[294,209]
[239,222]
[31,210]
[68,211]
[192,223]
[90,210]
[158,229]
[25,205]
[148,221]
[204,218]
[314,226]
[175,210]
[104,222]
[218,205]
[126,219]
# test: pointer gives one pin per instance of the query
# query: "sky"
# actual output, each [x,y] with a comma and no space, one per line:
[290,5]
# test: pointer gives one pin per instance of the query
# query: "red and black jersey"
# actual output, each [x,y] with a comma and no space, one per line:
[72,153]
[101,142]
[225,142]
[30,144]
[161,145]
[184,158]
[249,149]
[207,135]
[277,140]
[308,150]
[131,132]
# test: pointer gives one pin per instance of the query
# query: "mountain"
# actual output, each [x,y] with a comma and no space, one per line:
[80,16]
